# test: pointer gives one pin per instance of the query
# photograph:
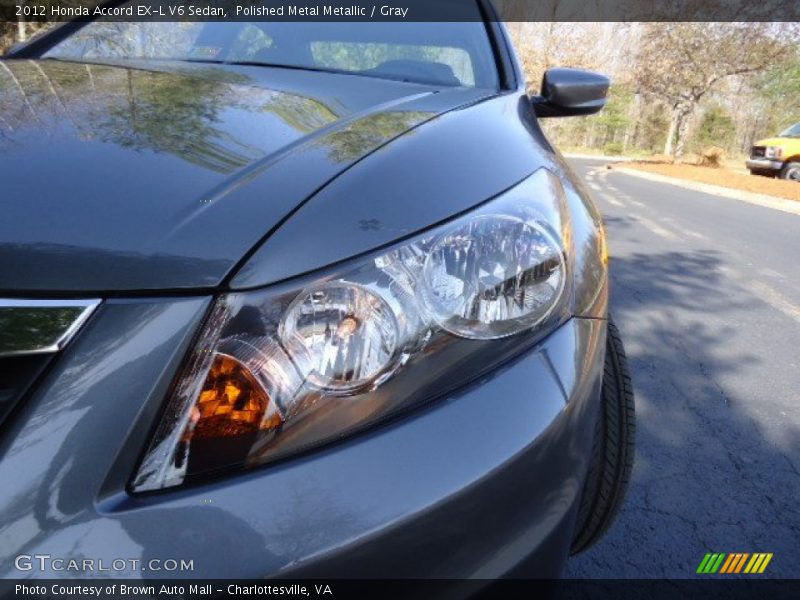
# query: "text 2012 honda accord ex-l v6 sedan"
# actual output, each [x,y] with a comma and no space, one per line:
[299,300]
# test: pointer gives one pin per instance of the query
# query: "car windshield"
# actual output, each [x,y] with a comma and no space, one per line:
[793,131]
[443,54]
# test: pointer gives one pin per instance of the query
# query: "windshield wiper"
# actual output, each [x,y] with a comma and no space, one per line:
[255,63]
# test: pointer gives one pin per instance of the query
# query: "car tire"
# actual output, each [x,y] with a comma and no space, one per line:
[612,450]
[791,171]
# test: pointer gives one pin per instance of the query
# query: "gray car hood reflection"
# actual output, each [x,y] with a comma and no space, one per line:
[122,178]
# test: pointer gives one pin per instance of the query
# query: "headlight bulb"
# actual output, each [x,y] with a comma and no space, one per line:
[347,334]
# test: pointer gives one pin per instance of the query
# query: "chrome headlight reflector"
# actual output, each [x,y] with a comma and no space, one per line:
[283,369]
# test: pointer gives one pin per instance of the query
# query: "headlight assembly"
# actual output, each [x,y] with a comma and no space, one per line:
[280,370]
[773,152]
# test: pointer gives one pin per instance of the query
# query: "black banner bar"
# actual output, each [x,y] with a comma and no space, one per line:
[733,588]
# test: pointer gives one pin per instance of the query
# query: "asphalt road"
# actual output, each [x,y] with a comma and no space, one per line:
[706,292]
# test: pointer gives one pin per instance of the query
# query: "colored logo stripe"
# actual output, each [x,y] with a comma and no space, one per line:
[711,563]
[758,563]
[734,562]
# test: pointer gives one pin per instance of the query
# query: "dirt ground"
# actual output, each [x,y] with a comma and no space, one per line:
[722,176]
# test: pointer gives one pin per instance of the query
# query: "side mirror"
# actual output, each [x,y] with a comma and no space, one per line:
[571,92]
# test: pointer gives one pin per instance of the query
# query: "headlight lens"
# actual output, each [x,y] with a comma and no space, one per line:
[343,334]
[773,152]
[284,369]
[491,277]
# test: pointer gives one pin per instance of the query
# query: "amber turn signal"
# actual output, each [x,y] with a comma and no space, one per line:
[231,404]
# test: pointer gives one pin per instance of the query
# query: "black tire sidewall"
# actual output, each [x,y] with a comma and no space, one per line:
[612,450]
[789,169]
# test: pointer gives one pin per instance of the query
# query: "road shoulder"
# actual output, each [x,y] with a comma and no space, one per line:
[773,202]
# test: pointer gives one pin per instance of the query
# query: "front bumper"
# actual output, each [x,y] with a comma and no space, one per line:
[484,483]
[763,164]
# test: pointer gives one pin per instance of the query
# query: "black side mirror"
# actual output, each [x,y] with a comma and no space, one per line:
[571,92]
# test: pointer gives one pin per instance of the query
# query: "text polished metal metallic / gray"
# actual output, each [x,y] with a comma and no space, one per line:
[40,326]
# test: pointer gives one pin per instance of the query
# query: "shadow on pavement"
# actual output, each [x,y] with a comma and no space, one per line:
[714,470]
